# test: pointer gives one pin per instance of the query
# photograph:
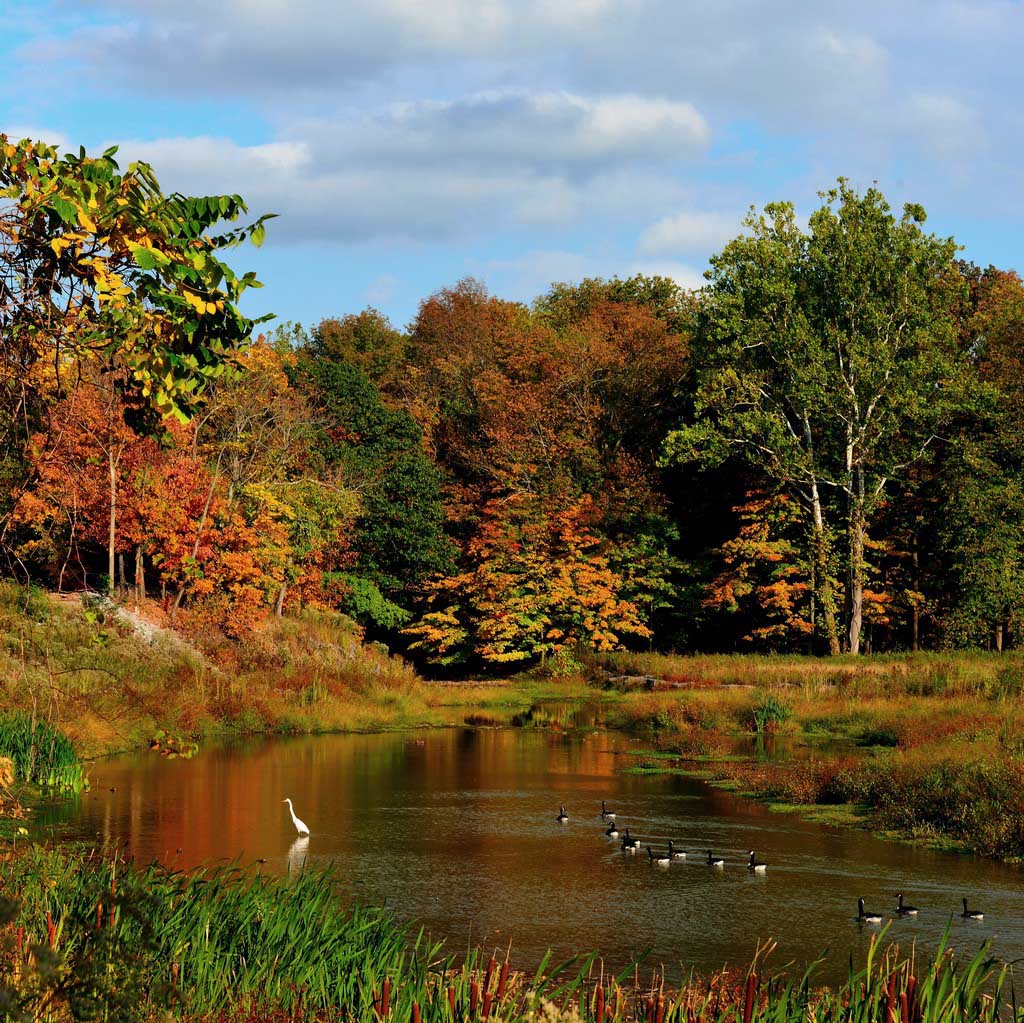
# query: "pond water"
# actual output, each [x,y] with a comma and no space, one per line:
[455,830]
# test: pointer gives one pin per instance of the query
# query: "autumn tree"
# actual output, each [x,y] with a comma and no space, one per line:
[537,583]
[827,359]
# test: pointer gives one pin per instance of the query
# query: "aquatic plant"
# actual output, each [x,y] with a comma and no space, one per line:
[40,754]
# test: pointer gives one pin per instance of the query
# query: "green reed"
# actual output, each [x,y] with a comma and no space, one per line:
[230,944]
[41,754]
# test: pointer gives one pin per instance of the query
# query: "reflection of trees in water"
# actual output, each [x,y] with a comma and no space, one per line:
[297,854]
[559,715]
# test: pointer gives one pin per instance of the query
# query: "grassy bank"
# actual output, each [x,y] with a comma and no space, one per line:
[111,682]
[91,938]
[926,746]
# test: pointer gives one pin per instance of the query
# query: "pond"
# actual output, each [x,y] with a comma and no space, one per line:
[456,830]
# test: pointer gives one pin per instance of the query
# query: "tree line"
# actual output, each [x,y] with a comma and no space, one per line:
[818,451]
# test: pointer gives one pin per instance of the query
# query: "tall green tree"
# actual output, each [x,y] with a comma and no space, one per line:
[400,538]
[827,358]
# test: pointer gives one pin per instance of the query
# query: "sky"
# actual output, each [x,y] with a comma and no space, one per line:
[406,144]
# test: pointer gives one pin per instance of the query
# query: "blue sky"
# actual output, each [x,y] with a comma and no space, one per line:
[406,144]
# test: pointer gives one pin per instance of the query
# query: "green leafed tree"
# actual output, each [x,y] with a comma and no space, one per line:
[827,358]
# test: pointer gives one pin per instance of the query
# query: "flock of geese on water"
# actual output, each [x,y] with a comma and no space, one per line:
[755,866]
[632,845]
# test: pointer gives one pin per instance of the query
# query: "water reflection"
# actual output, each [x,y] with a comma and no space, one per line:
[456,830]
[297,854]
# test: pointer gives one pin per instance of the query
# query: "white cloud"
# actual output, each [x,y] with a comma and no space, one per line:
[440,169]
[689,231]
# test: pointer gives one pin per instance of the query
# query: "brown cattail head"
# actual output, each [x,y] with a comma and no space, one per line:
[659,1016]
[487,1005]
[415,1013]
[748,1004]
[385,999]
[503,980]
[489,974]
[451,999]
[474,997]
[99,916]
[599,1005]
[174,974]
[51,931]
[649,1010]
[20,939]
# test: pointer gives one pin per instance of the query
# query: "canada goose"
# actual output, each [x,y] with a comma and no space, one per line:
[715,861]
[867,918]
[300,826]
[562,817]
[612,832]
[971,914]
[903,909]
[757,868]
[606,813]
[630,843]
[674,853]
[662,861]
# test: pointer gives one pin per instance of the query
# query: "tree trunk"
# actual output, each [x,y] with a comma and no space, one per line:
[122,576]
[915,613]
[112,530]
[279,609]
[140,578]
[855,585]
[999,638]
[828,610]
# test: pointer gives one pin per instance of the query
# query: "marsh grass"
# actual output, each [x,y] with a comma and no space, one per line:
[39,754]
[93,938]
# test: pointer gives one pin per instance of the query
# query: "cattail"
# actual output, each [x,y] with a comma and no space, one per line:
[474,997]
[415,1012]
[20,939]
[51,931]
[487,1005]
[904,1007]
[99,916]
[489,974]
[649,1011]
[503,980]
[451,999]
[599,1005]
[385,1001]
[660,1015]
[748,1005]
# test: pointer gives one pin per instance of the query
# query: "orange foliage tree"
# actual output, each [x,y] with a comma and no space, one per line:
[536,584]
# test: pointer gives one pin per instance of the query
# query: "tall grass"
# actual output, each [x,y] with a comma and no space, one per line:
[97,939]
[40,754]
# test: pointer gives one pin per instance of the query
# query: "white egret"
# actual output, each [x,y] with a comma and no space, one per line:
[300,826]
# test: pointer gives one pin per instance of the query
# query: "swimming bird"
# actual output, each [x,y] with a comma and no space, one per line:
[562,817]
[630,843]
[300,827]
[662,861]
[612,832]
[971,914]
[757,868]
[606,813]
[867,918]
[715,861]
[903,909]
[674,853]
